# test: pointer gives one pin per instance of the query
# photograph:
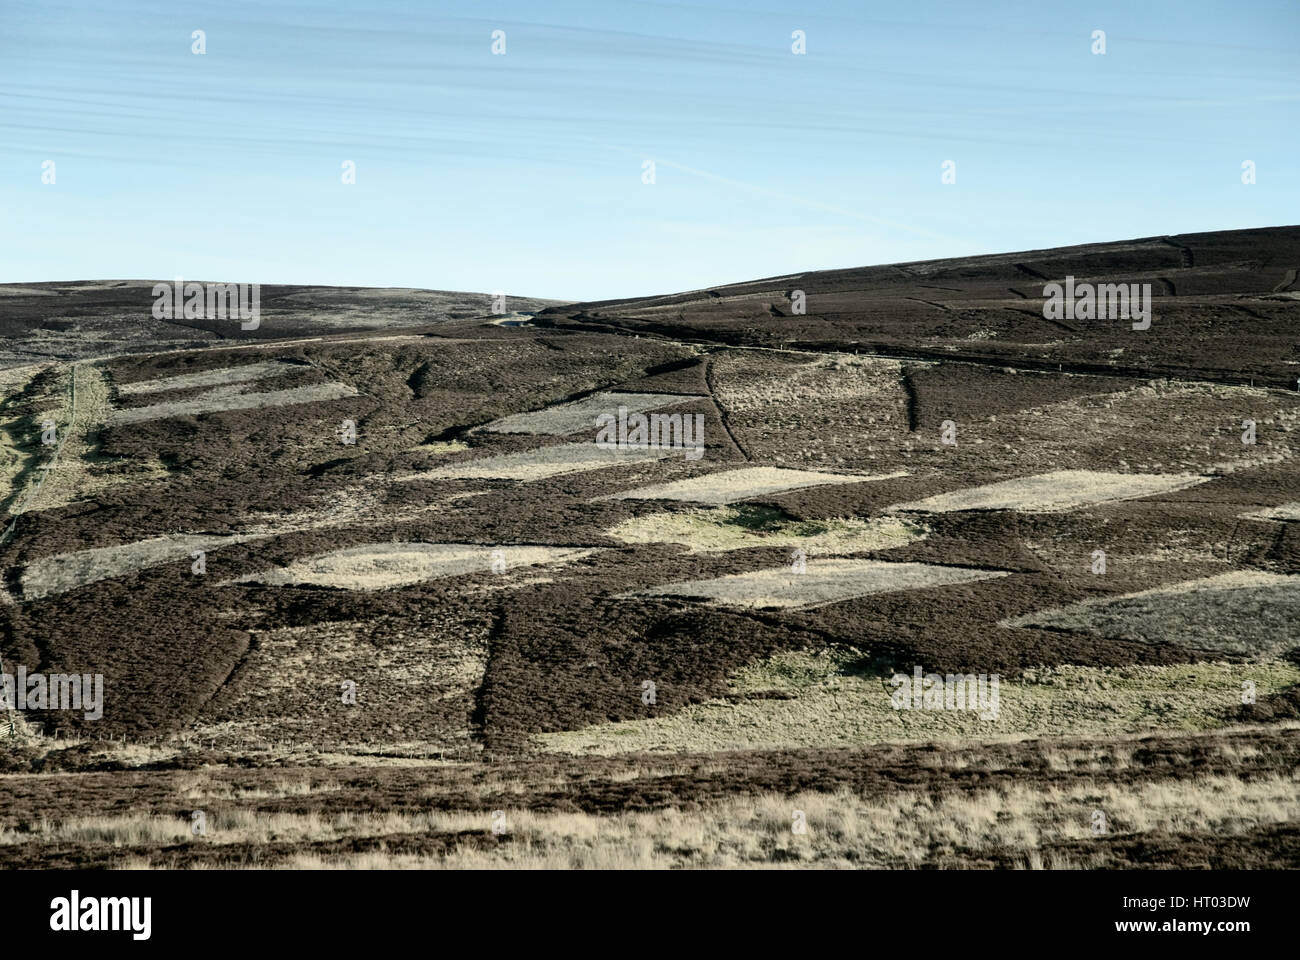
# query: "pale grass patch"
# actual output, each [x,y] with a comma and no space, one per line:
[1287,511]
[1242,612]
[709,529]
[566,418]
[380,566]
[732,486]
[543,462]
[353,505]
[441,447]
[828,580]
[211,378]
[1053,492]
[57,574]
[221,401]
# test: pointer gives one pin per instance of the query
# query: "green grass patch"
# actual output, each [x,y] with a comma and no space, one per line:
[841,699]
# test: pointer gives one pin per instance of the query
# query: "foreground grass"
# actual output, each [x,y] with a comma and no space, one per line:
[1024,823]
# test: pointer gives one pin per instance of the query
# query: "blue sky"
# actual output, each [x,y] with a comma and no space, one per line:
[523,172]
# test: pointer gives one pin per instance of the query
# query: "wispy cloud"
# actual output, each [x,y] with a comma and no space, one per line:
[793,198]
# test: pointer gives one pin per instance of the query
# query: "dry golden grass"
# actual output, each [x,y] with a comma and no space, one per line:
[842,830]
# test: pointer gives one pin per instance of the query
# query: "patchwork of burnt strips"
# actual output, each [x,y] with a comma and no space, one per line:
[980,562]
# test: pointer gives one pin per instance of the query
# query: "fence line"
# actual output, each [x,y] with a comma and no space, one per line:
[48,468]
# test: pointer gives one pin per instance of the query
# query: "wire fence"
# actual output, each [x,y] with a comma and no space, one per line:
[45,469]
